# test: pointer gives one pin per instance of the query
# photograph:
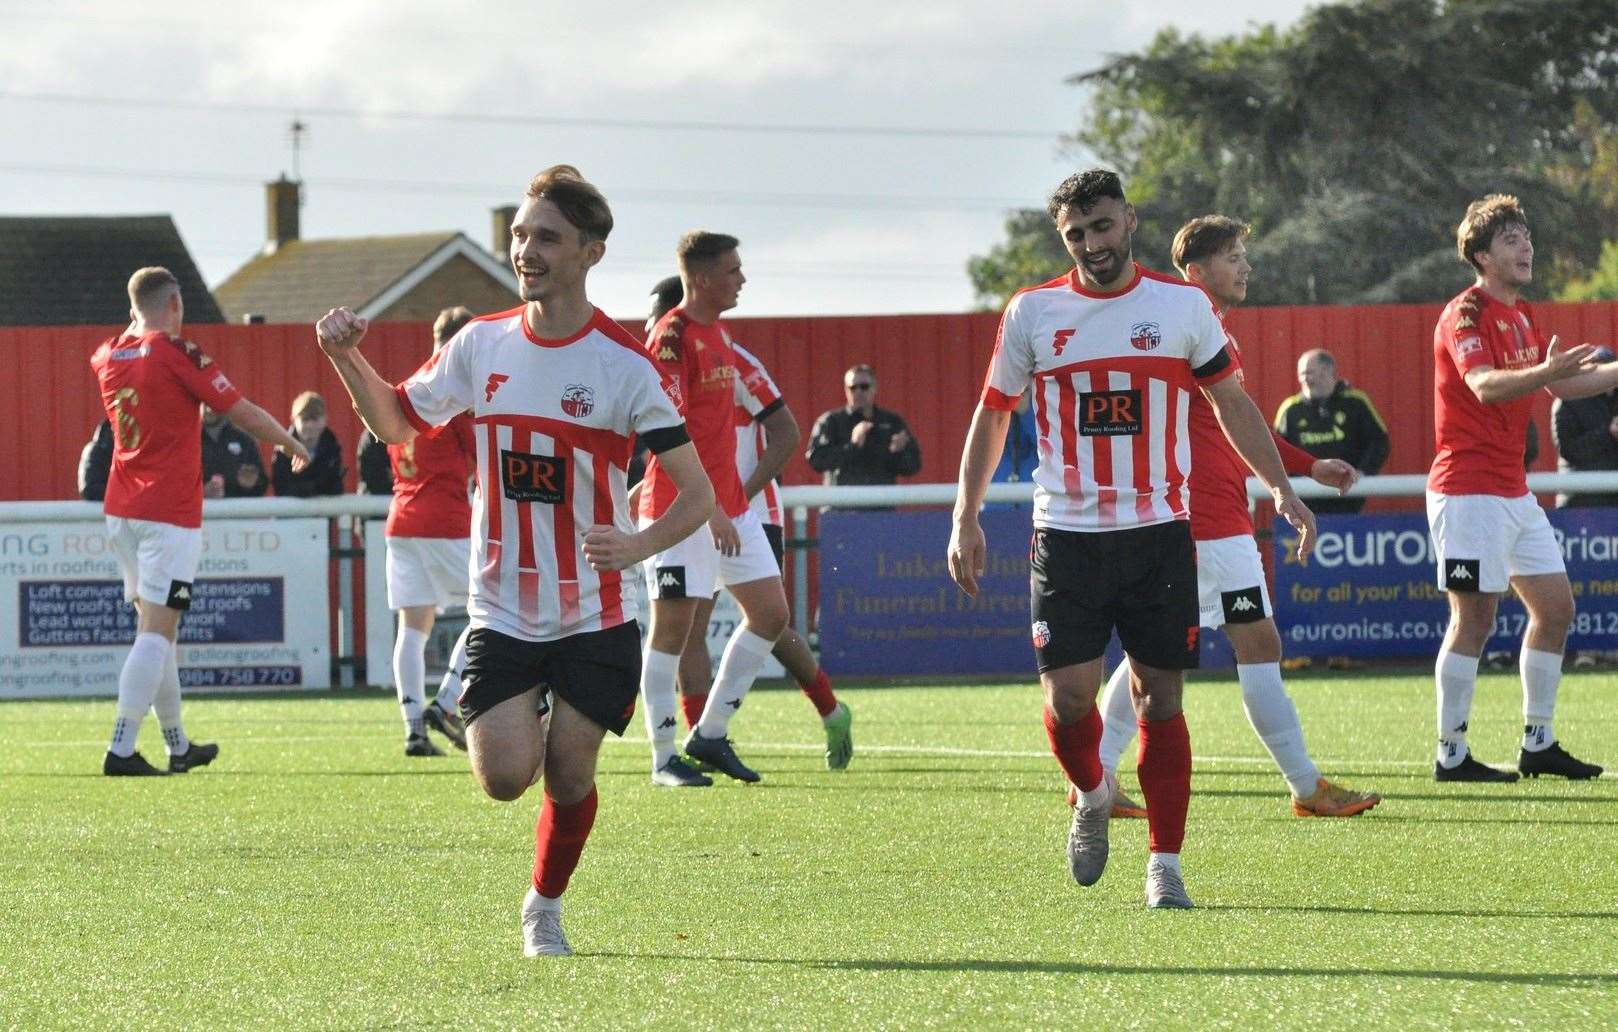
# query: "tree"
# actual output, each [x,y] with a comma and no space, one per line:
[1354,140]
[1601,284]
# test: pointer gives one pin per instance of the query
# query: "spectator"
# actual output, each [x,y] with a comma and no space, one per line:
[324,474]
[1585,431]
[231,464]
[860,443]
[1020,457]
[1329,419]
[95,463]
[375,473]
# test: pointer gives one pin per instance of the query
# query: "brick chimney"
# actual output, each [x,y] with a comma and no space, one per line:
[281,202]
[500,224]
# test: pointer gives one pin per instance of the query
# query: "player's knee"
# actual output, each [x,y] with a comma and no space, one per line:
[769,624]
[504,788]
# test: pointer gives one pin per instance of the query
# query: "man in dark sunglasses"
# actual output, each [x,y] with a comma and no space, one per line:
[860,443]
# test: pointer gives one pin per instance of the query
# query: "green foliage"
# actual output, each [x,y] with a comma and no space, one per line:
[314,877]
[1602,283]
[1354,140]
[1032,253]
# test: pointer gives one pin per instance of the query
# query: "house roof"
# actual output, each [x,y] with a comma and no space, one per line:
[74,269]
[301,280]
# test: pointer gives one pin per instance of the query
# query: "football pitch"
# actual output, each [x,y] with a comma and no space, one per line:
[316,877]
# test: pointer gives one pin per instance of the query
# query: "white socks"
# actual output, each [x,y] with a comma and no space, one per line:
[1118,724]
[1457,677]
[744,657]
[1171,861]
[137,687]
[1275,718]
[410,677]
[658,673]
[1541,675]
[166,705]
[450,688]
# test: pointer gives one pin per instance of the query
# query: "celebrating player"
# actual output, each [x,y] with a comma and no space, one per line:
[694,350]
[1491,533]
[555,390]
[429,543]
[1113,353]
[1210,252]
[151,383]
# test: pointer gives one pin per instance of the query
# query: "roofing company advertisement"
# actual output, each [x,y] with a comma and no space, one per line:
[1370,589]
[258,617]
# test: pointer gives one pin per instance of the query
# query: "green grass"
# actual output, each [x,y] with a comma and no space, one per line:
[313,877]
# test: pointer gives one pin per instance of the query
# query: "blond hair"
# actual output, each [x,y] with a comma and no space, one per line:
[309,404]
[149,288]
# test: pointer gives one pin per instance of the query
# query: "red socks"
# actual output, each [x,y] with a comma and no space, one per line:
[1078,747]
[820,694]
[691,706]
[558,840]
[1164,769]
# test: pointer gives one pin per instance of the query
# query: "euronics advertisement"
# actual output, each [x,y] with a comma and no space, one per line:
[1370,588]
[258,617]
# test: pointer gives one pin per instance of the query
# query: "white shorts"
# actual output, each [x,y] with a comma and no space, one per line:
[158,560]
[428,571]
[1483,541]
[695,569]
[1230,582]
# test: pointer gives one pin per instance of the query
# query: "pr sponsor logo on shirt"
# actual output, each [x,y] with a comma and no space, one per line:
[534,478]
[1145,336]
[1110,413]
[578,400]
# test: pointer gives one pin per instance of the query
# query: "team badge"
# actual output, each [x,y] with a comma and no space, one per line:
[671,387]
[1145,336]
[578,400]
[1042,634]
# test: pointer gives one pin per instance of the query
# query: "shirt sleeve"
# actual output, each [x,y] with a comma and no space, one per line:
[1011,367]
[673,357]
[433,394]
[202,377]
[654,401]
[755,391]
[1463,338]
[1208,354]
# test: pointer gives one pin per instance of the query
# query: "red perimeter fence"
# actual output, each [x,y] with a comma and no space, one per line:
[929,369]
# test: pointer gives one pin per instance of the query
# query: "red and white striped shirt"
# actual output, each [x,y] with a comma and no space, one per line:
[757,397]
[1113,376]
[554,420]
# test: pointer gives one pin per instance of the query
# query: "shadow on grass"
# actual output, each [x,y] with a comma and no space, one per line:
[1591,980]
[1527,915]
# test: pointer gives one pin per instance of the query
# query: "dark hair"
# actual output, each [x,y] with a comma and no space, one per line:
[1484,219]
[666,296]
[1083,189]
[449,323]
[700,247]
[578,201]
[1205,236]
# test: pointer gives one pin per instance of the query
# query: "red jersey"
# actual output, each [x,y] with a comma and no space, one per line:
[151,386]
[698,358]
[430,474]
[1219,505]
[1480,446]
[1113,376]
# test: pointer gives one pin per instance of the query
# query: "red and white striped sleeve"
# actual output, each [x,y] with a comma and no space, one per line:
[1011,367]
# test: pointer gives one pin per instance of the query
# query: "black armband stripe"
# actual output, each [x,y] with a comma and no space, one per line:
[1214,366]
[665,437]
[769,410]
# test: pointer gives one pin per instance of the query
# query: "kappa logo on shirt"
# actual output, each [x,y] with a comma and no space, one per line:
[578,400]
[1244,606]
[534,478]
[1110,413]
[1461,575]
[1145,336]
[495,380]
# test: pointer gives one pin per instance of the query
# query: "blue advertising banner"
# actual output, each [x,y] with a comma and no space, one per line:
[1370,588]
[889,607]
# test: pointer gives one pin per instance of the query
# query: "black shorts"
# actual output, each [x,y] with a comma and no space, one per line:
[1140,580]
[777,544]
[597,672]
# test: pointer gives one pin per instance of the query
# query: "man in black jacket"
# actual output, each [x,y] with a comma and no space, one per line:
[231,464]
[1586,434]
[1329,419]
[95,463]
[860,443]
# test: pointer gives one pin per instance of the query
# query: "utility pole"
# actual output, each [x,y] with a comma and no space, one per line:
[298,130]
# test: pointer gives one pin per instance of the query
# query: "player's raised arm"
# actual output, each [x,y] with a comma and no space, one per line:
[984,442]
[339,333]
[254,420]
[1493,386]
[1597,379]
[1244,425]
[607,548]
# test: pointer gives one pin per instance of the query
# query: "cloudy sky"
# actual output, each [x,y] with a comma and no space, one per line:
[861,151]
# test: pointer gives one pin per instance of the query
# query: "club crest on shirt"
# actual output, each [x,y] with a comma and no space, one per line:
[578,400]
[1145,336]
[1042,634]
